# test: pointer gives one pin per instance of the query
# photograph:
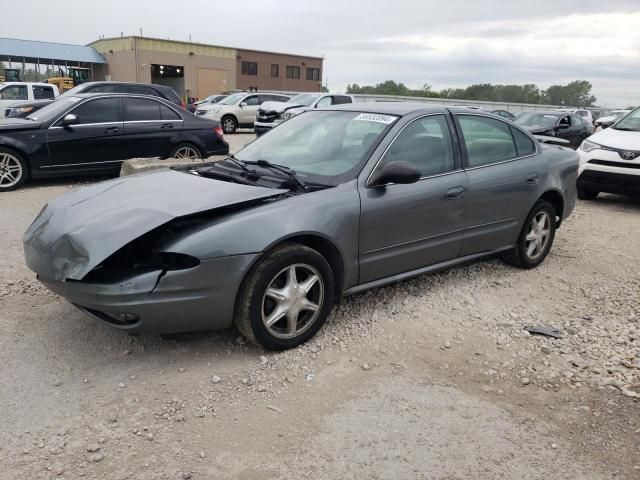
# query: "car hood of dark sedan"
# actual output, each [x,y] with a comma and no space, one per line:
[11,124]
[537,129]
[76,232]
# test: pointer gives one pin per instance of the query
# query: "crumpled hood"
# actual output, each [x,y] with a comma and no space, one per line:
[77,231]
[537,129]
[277,107]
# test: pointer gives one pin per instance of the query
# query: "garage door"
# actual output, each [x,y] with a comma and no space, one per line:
[211,81]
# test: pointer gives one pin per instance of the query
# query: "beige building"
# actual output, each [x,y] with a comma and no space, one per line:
[198,70]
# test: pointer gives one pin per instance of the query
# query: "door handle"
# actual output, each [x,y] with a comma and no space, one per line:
[453,193]
[112,130]
[533,178]
[166,125]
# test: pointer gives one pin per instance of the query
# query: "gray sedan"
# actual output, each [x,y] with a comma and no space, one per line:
[329,203]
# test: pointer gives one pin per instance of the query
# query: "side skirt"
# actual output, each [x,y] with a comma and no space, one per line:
[420,271]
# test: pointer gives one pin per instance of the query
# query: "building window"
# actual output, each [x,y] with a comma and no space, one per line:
[293,72]
[313,74]
[275,70]
[249,68]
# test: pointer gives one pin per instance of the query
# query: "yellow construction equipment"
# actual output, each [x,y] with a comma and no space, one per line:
[77,75]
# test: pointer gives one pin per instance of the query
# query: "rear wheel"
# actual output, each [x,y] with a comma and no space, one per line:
[186,151]
[586,194]
[536,237]
[229,124]
[13,170]
[287,298]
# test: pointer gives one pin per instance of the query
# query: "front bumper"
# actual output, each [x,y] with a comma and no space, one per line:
[197,299]
[606,171]
[263,127]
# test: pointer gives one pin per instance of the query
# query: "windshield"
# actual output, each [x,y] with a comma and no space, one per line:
[53,110]
[536,120]
[618,114]
[306,99]
[629,122]
[232,99]
[325,147]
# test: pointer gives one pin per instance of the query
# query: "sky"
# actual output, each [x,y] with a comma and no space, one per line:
[442,43]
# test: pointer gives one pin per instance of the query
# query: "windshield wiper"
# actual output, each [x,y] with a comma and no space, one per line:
[239,163]
[282,169]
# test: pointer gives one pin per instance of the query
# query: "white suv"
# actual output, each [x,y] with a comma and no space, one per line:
[238,110]
[610,160]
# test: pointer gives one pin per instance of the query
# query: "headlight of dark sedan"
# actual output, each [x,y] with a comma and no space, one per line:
[19,111]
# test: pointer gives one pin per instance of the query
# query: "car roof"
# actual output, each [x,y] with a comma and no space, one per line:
[25,83]
[406,108]
[115,94]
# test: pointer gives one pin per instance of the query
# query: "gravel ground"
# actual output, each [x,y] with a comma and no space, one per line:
[434,378]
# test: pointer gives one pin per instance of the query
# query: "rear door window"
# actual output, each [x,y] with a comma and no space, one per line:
[101,110]
[141,109]
[167,114]
[487,140]
[341,99]
[43,92]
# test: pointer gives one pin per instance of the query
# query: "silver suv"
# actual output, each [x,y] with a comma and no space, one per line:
[273,113]
[238,110]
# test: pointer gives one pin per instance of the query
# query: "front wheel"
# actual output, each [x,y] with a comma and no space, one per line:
[536,237]
[286,299]
[13,170]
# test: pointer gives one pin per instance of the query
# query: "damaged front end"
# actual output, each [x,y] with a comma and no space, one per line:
[108,249]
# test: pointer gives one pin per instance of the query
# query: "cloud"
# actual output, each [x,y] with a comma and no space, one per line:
[445,44]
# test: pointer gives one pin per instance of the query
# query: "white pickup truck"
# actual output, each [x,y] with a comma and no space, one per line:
[12,93]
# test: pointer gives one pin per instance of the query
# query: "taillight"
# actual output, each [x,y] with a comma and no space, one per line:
[218,131]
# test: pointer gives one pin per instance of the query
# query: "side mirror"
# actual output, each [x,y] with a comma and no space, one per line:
[69,119]
[395,172]
[243,104]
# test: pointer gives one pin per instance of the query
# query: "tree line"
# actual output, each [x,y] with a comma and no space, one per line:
[576,93]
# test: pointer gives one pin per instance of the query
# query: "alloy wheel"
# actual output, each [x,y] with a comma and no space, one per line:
[187,153]
[10,170]
[538,235]
[229,125]
[292,301]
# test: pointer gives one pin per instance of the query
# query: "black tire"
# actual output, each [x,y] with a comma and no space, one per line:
[586,194]
[519,256]
[253,300]
[14,170]
[186,147]
[229,124]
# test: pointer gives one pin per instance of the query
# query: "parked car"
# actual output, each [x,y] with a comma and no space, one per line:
[610,159]
[270,114]
[210,100]
[556,124]
[332,202]
[609,119]
[504,114]
[238,110]
[94,133]
[23,109]
[13,94]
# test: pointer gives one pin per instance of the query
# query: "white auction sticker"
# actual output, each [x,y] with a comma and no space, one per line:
[376,117]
